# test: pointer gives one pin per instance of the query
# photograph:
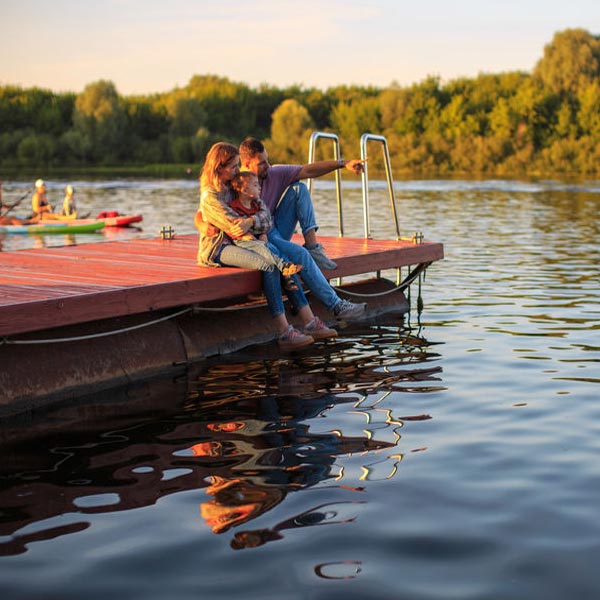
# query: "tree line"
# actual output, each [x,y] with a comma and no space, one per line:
[543,122]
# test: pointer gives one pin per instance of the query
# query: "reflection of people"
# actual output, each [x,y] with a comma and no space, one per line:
[237,501]
[39,202]
[290,204]
[216,248]
[247,203]
[265,452]
[69,208]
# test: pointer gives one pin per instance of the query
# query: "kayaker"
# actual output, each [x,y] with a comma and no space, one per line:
[69,208]
[39,202]
[5,219]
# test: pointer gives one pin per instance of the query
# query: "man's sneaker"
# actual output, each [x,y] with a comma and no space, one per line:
[318,330]
[349,311]
[318,253]
[292,339]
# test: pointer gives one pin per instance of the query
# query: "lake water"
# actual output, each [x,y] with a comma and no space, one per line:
[456,457]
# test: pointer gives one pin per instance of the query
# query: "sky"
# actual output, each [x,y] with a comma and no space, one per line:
[147,46]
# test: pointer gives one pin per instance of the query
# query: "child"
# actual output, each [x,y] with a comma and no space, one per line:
[247,203]
[69,209]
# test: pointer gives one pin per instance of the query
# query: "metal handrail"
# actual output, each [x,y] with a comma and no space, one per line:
[338,178]
[366,137]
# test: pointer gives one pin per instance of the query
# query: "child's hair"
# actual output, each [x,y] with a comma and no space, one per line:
[243,177]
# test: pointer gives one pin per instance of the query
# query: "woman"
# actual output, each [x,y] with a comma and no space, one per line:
[216,249]
[39,202]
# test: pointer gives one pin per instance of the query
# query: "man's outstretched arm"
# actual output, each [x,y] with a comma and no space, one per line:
[322,167]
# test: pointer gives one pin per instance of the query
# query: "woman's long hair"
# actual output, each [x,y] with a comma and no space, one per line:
[218,156]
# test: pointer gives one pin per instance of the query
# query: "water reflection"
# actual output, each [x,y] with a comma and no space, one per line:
[245,431]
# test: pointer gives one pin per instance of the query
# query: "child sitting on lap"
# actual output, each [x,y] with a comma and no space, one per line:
[247,203]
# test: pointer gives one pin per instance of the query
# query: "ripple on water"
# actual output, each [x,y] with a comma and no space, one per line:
[455,460]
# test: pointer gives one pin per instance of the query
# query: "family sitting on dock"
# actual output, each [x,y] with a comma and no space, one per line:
[248,222]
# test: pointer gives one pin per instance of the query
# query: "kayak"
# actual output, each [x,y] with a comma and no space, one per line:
[109,218]
[114,219]
[54,227]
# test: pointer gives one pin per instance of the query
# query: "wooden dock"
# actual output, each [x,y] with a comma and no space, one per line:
[62,291]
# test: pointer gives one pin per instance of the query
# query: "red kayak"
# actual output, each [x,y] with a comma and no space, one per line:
[112,218]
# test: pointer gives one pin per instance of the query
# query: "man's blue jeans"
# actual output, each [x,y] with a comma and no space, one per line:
[296,207]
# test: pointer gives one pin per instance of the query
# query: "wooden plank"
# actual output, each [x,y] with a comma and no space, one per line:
[53,287]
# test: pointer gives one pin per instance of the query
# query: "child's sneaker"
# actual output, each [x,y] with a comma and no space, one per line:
[349,311]
[318,330]
[292,339]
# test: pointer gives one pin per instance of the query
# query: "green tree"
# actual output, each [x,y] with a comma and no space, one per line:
[502,119]
[571,61]
[100,121]
[37,149]
[187,115]
[290,131]
[589,110]
[455,119]
[417,109]
[351,120]
[228,106]
[265,100]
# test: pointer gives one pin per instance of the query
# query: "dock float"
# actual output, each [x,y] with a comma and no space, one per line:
[82,318]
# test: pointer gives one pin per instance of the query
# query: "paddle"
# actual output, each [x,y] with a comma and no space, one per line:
[15,204]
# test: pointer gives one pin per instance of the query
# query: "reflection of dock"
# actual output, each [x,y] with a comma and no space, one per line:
[151,297]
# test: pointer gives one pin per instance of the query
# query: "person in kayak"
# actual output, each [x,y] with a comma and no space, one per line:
[4,209]
[69,207]
[39,202]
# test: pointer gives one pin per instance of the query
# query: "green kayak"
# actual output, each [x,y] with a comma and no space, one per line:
[54,228]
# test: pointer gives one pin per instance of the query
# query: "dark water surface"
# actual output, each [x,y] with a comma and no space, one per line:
[453,456]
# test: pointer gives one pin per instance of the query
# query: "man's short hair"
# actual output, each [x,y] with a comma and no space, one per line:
[250,147]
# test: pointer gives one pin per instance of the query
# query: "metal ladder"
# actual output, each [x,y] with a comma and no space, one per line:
[365,138]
